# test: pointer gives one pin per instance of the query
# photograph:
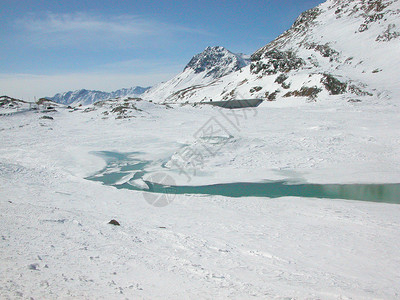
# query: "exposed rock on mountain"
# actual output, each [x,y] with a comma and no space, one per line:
[8,102]
[121,108]
[12,105]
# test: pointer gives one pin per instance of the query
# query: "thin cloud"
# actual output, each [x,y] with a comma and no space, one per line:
[52,30]
[78,22]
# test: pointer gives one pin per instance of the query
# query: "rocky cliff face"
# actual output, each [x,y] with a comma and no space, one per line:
[340,45]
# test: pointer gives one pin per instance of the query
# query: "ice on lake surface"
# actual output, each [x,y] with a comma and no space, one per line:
[127,171]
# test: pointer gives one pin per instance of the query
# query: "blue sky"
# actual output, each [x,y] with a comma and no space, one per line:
[55,46]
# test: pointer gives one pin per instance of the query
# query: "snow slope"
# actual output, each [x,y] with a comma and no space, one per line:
[348,48]
[203,69]
[86,97]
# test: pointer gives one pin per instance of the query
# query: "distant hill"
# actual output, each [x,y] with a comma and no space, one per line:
[86,97]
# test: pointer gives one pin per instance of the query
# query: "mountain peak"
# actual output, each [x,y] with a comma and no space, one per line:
[217,61]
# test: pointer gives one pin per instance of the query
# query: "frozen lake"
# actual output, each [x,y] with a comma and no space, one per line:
[126,171]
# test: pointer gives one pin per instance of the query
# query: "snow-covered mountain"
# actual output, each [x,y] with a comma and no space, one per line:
[203,69]
[349,48]
[86,97]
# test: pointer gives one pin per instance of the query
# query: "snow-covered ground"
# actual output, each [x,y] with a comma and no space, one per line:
[55,241]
